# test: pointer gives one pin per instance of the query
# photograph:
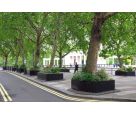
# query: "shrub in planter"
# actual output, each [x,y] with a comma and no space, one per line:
[33,71]
[22,68]
[50,74]
[98,82]
[51,70]
[14,68]
[125,71]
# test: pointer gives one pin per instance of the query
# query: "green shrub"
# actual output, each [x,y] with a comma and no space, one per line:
[23,66]
[33,68]
[83,76]
[55,70]
[126,69]
[129,69]
[101,75]
[51,70]
[16,65]
[122,69]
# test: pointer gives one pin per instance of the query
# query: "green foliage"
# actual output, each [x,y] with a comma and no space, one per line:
[51,70]
[101,75]
[33,68]
[19,31]
[118,36]
[123,68]
[16,65]
[55,70]
[129,69]
[83,76]
[126,69]
[23,66]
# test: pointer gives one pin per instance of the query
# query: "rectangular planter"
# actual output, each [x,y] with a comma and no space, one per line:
[94,87]
[25,71]
[32,72]
[7,67]
[21,70]
[64,70]
[50,76]
[10,68]
[14,69]
[4,68]
[123,73]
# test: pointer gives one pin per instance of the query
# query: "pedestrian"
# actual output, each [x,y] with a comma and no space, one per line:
[76,67]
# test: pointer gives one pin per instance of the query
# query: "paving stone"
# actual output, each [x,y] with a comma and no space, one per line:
[126,92]
[125,87]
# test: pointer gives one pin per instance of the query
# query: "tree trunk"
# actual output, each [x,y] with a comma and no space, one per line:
[54,49]
[120,61]
[16,60]
[37,55]
[23,54]
[21,42]
[95,40]
[6,61]
[91,64]
[3,60]
[60,59]
[133,60]
[56,36]
[23,59]
[37,52]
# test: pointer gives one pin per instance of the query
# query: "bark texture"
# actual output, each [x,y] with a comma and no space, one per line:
[95,40]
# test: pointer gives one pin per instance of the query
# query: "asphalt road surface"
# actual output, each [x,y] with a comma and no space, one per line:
[21,91]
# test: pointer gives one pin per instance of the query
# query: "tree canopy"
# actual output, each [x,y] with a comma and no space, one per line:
[27,37]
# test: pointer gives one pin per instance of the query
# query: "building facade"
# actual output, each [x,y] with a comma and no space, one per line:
[72,58]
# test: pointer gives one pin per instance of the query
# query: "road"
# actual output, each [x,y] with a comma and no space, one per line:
[21,91]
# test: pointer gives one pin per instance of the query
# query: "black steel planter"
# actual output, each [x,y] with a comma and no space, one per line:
[50,76]
[94,87]
[21,70]
[17,70]
[32,72]
[25,71]
[7,68]
[123,73]
[10,68]
[14,69]
[4,68]
[64,70]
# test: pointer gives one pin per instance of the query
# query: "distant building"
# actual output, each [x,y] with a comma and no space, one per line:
[72,58]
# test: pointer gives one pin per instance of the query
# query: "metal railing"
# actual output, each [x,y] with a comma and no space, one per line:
[110,69]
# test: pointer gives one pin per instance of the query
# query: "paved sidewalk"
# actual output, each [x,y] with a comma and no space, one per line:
[125,88]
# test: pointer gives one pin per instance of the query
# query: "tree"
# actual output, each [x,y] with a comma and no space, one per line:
[118,37]
[95,40]
[5,51]
[36,32]
[73,34]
